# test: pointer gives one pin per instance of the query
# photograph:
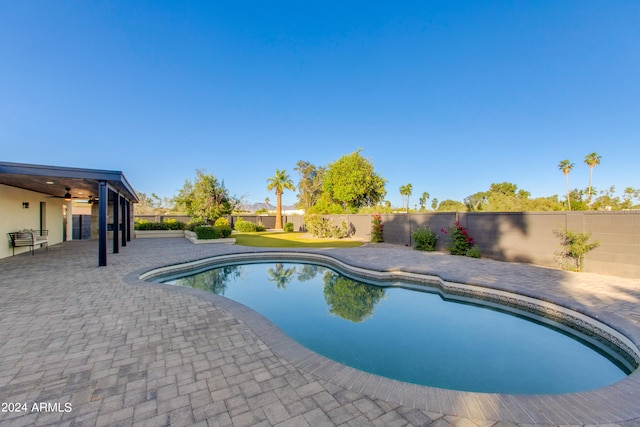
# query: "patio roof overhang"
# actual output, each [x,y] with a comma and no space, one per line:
[56,181]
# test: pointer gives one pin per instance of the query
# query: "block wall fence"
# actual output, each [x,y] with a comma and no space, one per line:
[507,236]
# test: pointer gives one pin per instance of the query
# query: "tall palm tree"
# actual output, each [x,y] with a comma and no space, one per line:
[405,192]
[280,181]
[592,160]
[266,202]
[565,167]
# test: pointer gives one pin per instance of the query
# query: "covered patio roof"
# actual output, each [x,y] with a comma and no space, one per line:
[102,185]
[54,180]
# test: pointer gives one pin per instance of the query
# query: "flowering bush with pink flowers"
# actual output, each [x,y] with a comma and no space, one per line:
[376,228]
[461,242]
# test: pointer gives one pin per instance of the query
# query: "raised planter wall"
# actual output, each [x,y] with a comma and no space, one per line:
[193,238]
[146,234]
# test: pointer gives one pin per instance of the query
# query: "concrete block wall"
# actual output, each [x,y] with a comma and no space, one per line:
[530,236]
[512,236]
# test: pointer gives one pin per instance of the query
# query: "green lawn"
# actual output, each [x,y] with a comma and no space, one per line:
[289,240]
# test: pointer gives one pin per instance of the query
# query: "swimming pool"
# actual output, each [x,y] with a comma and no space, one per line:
[426,338]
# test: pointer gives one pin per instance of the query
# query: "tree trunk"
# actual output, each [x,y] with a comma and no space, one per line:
[568,199]
[279,210]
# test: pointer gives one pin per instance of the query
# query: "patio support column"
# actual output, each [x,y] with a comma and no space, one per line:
[128,206]
[116,222]
[103,204]
[123,221]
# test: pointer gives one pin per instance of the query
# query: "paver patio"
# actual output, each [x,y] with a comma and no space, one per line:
[118,351]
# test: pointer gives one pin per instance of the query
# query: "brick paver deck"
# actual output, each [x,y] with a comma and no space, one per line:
[100,347]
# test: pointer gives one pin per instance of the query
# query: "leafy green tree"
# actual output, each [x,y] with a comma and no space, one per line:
[607,200]
[578,202]
[152,204]
[351,182]
[565,167]
[629,195]
[349,299]
[451,206]
[476,202]
[214,280]
[310,184]
[307,272]
[506,188]
[592,160]
[574,247]
[551,203]
[326,206]
[280,181]
[206,199]
[434,203]
[405,192]
[506,197]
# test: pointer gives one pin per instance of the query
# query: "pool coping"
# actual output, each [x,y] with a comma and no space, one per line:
[615,403]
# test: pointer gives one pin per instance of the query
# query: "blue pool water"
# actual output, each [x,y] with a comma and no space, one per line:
[408,335]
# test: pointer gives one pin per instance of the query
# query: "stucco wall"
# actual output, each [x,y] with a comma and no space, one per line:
[13,217]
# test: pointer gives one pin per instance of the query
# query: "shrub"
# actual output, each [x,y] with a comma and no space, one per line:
[461,241]
[192,225]
[224,230]
[322,227]
[474,252]
[288,227]
[376,228]
[244,226]
[221,221]
[175,225]
[424,239]
[206,232]
[169,225]
[575,246]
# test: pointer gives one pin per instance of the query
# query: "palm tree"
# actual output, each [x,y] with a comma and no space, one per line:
[423,200]
[565,167]
[405,192]
[592,160]
[280,181]
[281,276]
[266,202]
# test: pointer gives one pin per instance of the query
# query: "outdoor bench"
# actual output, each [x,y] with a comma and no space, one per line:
[29,238]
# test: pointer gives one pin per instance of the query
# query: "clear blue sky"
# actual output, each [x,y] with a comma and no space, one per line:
[448,96]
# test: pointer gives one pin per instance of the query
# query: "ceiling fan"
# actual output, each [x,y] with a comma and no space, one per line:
[67,196]
[91,200]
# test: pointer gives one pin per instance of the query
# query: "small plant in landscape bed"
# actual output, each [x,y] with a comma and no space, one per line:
[207,232]
[575,246]
[376,228]
[288,227]
[461,242]
[244,226]
[424,239]
[224,230]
